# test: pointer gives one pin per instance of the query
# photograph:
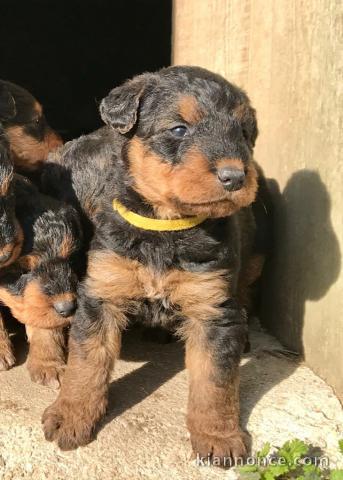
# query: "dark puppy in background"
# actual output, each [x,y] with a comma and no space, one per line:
[23,121]
[40,286]
[40,238]
[167,186]
[11,234]
[11,237]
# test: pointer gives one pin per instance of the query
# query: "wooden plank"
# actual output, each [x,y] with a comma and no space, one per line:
[287,54]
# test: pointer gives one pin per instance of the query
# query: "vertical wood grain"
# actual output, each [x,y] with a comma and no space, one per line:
[287,54]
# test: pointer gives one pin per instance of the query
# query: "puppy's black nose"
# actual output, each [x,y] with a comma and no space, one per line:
[65,309]
[231,178]
[6,256]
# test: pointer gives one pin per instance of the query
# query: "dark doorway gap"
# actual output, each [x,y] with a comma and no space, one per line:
[70,53]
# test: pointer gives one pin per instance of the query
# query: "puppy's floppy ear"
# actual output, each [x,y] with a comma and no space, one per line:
[7,103]
[119,109]
[246,115]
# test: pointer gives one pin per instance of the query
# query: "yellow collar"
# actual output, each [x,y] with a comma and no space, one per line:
[155,224]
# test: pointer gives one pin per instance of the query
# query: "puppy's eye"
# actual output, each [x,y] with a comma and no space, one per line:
[35,121]
[179,131]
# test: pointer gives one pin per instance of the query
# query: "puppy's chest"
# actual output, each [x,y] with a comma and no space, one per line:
[202,249]
[161,295]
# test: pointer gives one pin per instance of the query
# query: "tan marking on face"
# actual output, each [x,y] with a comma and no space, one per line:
[38,108]
[26,151]
[13,302]
[230,162]
[66,247]
[29,262]
[15,248]
[189,188]
[38,308]
[189,109]
[33,307]
[63,297]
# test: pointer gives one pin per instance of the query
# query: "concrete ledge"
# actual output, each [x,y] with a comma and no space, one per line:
[144,434]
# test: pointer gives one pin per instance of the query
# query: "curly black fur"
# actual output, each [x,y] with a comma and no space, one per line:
[93,170]
[46,222]
[8,230]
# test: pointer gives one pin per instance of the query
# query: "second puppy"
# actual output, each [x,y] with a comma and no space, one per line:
[41,237]
[30,137]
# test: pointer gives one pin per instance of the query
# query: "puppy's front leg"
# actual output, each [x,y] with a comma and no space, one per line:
[94,344]
[213,351]
[46,359]
[7,359]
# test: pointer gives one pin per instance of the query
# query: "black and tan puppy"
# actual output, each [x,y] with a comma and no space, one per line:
[23,121]
[167,185]
[11,236]
[38,280]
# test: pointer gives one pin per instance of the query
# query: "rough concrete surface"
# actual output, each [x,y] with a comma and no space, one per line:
[144,434]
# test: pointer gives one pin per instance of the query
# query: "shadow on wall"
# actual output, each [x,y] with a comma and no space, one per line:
[304,263]
[306,258]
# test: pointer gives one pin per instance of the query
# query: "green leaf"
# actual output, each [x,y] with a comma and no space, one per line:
[309,469]
[250,476]
[264,452]
[248,468]
[293,450]
[311,476]
[274,471]
[340,445]
[336,475]
[268,475]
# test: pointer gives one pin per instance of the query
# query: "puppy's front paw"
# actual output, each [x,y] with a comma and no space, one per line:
[222,451]
[65,423]
[46,373]
[7,359]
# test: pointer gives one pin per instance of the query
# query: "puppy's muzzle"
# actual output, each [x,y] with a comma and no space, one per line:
[232,179]
[65,309]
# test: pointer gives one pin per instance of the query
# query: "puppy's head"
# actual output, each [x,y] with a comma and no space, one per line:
[190,137]
[52,263]
[30,137]
[11,235]
[55,283]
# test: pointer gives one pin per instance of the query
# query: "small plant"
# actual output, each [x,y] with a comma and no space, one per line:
[292,461]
